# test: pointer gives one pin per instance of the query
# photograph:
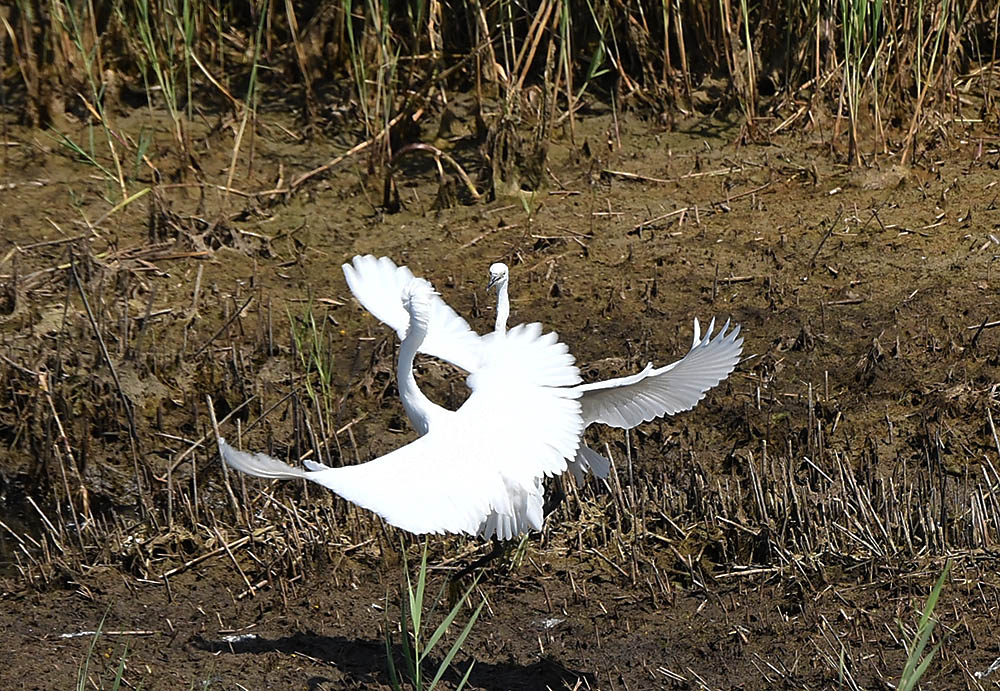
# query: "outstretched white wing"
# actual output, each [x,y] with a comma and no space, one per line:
[440,483]
[628,401]
[378,285]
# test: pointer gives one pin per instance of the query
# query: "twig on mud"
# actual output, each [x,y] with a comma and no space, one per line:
[984,325]
[829,232]
[662,217]
[209,186]
[597,552]
[49,243]
[235,544]
[633,176]
[104,348]
[29,183]
[439,154]
[233,558]
[224,326]
[358,148]
[105,632]
[741,195]
[384,132]
[225,476]
[748,572]
[20,368]
[712,173]
[481,236]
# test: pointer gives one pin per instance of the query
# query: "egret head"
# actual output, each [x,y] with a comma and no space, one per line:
[498,276]
[417,296]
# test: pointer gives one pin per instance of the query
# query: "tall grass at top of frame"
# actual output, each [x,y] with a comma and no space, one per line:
[880,69]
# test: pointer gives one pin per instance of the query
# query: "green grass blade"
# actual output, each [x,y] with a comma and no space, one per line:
[443,626]
[457,645]
[419,596]
[465,677]
[81,677]
[918,673]
[408,653]
[120,672]
[390,660]
[916,662]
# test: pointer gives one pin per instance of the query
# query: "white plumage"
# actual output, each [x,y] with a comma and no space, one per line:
[621,402]
[378,284]
[474,470]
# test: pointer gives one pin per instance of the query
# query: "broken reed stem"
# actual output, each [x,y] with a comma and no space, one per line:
[104,348]
[84,512]
[439,154]
[226,548]
[225,326]
[225,469]
[232,558]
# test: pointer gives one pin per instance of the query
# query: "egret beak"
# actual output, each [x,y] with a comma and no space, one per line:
[494,279]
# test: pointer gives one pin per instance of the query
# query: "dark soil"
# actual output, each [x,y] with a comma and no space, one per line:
[778,536]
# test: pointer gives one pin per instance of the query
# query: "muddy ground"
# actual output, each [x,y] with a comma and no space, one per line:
[778,536]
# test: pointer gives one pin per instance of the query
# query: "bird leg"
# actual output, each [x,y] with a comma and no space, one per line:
[499,547]
[555,496]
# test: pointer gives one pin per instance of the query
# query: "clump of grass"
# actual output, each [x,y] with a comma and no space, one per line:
[861,21]
[413,625]
[314,348]
[161,55]
[87,49]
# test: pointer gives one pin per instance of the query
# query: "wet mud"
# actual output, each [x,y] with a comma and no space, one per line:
[784,534]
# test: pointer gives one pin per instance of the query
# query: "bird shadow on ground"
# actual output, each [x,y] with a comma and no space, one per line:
[363,661]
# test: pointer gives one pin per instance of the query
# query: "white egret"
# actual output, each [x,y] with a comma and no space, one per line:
[623,402]
[477,469]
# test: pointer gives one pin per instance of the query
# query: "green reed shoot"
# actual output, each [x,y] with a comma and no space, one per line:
[83,681]
[595,67]
[413,624]
[313,345]
[359,69]
[860,23]
[916,662]
[250,104]
[159,56]
[750,98]
[71,23]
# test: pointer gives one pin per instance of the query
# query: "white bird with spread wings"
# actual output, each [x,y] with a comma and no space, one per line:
[623,402]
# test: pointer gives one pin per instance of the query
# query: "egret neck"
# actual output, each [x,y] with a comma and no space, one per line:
[503,308]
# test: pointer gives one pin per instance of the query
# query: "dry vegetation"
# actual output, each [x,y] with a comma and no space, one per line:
[164,106]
